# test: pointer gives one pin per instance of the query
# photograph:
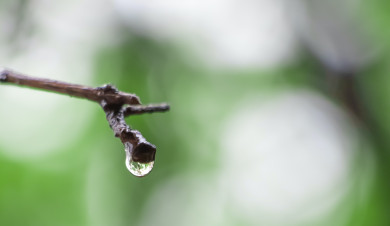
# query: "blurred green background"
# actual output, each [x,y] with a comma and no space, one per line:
[279,112]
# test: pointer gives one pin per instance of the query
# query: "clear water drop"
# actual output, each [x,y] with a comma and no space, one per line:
[138,169]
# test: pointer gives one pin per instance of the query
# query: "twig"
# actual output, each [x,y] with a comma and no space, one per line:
[106,92]
[139,109]
[113,102]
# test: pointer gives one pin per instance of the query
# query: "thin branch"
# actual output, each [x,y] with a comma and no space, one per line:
[108,92]
[112,101]
[140,109]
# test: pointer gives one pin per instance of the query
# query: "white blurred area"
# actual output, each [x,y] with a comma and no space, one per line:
[56,40]
[297,151]
[332,31]
[224,34]
[286,159]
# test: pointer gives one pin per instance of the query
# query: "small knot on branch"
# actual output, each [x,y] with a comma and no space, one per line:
[106,89]
[128,134]
[112,95]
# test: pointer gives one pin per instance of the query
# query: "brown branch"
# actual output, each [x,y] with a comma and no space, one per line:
[107,92]
[140,109]
[140,149]
[111,99]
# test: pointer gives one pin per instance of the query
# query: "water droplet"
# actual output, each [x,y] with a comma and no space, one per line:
[138,169]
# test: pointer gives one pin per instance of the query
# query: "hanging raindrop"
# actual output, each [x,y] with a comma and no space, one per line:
[138,169]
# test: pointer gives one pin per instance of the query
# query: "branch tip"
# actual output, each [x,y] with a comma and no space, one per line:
[140,149]
[141,109]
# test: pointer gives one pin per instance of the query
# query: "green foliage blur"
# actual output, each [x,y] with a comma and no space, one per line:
[84,181]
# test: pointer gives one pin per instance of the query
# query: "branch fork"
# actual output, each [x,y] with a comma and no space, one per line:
[116,104]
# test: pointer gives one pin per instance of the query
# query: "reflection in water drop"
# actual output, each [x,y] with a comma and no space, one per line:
[138,169]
